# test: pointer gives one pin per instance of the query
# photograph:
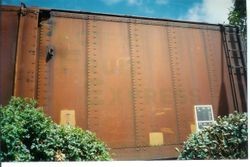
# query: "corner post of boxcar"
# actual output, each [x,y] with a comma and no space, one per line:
[236,66]
[25,73]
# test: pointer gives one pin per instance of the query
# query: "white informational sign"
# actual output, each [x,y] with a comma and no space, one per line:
[203,116]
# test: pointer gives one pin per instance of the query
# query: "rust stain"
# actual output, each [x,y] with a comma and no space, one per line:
[167,130]
[160,113]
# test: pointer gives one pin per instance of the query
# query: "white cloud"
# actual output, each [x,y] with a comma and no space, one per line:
[161,2]
[209,11]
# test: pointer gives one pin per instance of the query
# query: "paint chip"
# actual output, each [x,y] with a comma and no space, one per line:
[167,130]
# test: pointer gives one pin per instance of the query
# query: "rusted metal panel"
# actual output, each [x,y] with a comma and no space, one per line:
[213,69]
[133,81]
[42,70]
[224,102]
[153,95]
[133,19]
[8,42]
[146,153]
[140,115]
[220,89]
[109,83]
[81,55]
[181,79]
[199,91]
[26,55]
[62,79]
[137,79]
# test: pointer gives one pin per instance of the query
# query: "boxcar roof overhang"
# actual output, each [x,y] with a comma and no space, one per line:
[122,18]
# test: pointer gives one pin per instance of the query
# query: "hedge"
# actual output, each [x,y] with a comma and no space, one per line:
[227,138]
[28,135]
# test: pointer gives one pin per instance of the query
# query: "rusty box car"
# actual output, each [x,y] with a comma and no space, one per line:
[134,81]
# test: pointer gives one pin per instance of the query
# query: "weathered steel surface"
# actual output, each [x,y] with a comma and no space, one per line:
[138,80]
[153,95]
[220,88]
[8,41]
[42,70]
[62,79]
[109,83]
[26,55]
[132,81]
[137,20]
[146,153]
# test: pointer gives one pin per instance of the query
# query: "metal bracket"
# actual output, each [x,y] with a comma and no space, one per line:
[23,10]
[50,54]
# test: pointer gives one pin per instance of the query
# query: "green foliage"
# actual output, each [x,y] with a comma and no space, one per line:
[28,135]
[225,139]
[73,144]
[237,15]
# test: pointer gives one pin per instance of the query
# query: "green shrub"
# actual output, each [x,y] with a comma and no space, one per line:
[74,144]
[225,139]
[28,135]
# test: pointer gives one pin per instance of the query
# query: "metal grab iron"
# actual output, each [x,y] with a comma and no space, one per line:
[50,54]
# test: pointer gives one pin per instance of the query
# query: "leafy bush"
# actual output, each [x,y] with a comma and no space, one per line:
[28,135]
[225,139]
